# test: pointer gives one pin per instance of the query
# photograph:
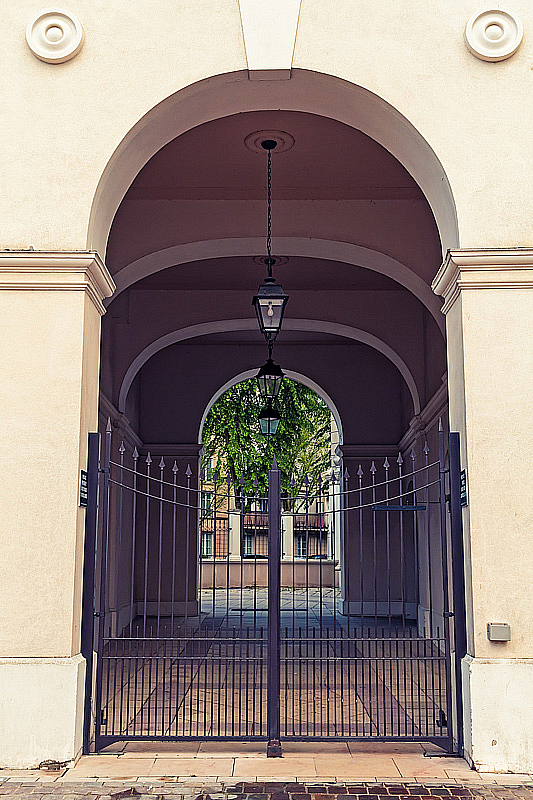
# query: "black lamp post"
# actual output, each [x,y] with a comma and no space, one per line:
[269,420]
[270,300]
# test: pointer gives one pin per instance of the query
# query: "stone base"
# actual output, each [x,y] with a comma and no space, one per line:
[498,696]
[41,710]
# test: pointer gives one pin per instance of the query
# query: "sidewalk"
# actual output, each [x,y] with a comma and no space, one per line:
[241,771]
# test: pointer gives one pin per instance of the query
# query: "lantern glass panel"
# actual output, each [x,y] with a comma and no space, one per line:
[269,380]
[271,311]
[269,421]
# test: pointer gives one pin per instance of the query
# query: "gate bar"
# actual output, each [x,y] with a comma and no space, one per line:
[103,585]
[445,586]
[89,567]
[458,578]
[274,612]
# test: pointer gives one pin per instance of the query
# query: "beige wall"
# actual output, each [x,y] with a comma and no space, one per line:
[50,318]
[63,122]
[50,307]
[489,307]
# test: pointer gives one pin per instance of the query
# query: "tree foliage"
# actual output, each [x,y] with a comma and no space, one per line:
[238,450]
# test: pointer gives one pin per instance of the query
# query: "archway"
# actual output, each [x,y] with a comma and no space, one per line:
[359,240]
[307,91]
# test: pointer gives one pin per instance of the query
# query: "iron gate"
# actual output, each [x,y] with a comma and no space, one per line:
[226,615]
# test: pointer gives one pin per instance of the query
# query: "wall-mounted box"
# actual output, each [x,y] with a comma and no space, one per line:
[499,631]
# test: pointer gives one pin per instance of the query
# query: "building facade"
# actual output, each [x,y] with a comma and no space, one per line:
[132,211]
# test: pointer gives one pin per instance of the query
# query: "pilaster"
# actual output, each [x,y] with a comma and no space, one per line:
[488,304]
[50,309]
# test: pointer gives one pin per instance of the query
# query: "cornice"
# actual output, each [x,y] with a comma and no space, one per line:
[119,421]
[367,451]
[34,270]
[191,450]
[505,268]
[435,408]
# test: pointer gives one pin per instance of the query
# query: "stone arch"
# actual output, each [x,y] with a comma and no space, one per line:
[307,91]
[289,373]
[326,249]
[222,326]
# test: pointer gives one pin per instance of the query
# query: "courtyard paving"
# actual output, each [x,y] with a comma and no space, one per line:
[241,771]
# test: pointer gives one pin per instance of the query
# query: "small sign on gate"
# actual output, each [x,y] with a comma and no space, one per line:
[84,489]
[464,488]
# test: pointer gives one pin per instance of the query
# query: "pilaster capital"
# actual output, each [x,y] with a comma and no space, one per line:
[367,451]
[502,268]
[34,270]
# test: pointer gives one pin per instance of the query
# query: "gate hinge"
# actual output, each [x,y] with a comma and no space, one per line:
[96,613]
[449,614]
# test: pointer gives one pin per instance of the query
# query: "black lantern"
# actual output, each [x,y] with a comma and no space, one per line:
[270,300]
[269,420]
[269,303]
[269,378]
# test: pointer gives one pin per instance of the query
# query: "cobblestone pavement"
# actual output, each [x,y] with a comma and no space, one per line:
[47,787]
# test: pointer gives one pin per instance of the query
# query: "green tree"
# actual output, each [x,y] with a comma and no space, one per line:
[238,450]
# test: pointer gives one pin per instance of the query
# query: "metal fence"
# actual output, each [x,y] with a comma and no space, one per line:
[342,630]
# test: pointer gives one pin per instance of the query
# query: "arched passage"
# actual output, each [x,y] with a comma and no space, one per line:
[361,212]
[307,91]
[250,325]
[297,376]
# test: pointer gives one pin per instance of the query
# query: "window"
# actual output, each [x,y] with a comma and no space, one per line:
[207,504]
[208,469]
[207,545]
[301,546]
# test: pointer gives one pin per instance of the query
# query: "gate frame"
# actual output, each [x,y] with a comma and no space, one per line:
[95,554]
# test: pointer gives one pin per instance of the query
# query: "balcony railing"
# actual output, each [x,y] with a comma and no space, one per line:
[312,522]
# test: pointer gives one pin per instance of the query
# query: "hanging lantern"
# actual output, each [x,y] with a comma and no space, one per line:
[269,303]
[269,380]
[270,300]
[269,420]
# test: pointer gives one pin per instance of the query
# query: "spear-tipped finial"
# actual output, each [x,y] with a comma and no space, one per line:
[440,425]
[413,454]
[333,478]
[274,462]
[188,471]
[256,483]
[346,474]
[162,463]
[242,479]
[122,449]
[108,426]
[360,471]
[426,447]
[386,464]
[174,468]
[399,460]
[373,468]
[148,459]
[135,454]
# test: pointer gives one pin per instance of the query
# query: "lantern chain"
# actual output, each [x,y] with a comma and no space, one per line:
[269,213]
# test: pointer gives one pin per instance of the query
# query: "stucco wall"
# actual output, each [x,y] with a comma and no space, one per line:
[62,123]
